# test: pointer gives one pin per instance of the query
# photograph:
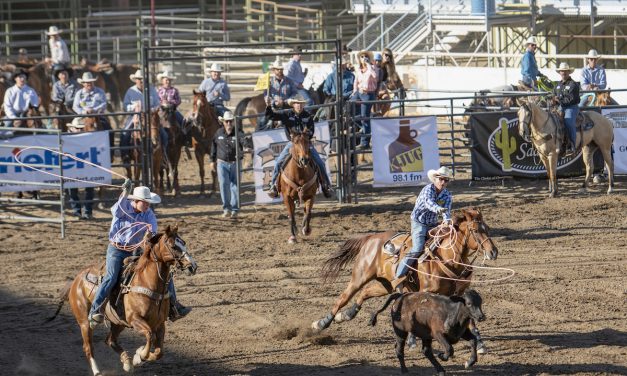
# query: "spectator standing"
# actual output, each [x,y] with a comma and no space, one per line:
[364,89]
[77,126]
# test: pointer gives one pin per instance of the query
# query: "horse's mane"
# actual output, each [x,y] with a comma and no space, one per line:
[145,257]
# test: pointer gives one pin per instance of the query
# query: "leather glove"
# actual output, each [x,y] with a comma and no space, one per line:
[442,210]
[128,185]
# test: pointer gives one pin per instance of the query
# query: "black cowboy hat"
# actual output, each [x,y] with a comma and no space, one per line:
[70,71]
[18,72]
[296,50]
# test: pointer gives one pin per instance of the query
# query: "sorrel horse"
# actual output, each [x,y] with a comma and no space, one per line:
[205,124]
[145,301]
[372,265]
[540,128]
[298,181]
[167,118]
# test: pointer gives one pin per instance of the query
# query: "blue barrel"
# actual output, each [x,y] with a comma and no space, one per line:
[478,7]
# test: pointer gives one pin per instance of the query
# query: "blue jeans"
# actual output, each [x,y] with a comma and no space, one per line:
[305,94]
[76,205]
[115,260]
[364,113]
[220,109]
[314,154]
[570,120]
[418,238]
[227,176]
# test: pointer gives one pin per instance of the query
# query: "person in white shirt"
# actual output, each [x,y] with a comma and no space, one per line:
[59,53]
[19,98]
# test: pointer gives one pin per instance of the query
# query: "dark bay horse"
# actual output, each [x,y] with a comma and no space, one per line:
[167,118]
[375,268]
[145,304]
[205,124]
[157,150]
[299,181]
[537,126]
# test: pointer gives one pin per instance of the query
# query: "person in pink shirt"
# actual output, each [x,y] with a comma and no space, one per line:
[169,95]
[364,89]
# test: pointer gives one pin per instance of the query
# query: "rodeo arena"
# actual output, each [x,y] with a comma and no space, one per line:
[313,187]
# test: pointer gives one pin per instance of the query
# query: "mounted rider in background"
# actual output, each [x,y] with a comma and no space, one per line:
[567,96]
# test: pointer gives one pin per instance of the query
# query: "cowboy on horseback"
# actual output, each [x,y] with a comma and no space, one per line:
[129,211]
[294,71]
[169,95]
[592,78]
[91,99]
[434,199]
[65,88]
[567,96]
[281,88]
[296,120]
[529,66]
[18,99]
[59,53]
[216,88]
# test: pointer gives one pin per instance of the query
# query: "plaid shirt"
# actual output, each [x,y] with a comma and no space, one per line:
[169,95]
[284,89]
[427,204]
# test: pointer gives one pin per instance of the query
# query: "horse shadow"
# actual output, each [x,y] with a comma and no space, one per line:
[573,340]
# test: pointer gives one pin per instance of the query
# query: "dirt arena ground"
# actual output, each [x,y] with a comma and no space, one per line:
[255,296]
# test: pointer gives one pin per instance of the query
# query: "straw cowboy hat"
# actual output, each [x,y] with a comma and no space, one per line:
[165,74]
[443,172]
[565,67]
[87,77]
[215,68]
[366,53]
[144,194]
[138,75]
[53,30]
[76,123]
[277,64]
[531,40]
[593,54]
[298,98]
[228,115]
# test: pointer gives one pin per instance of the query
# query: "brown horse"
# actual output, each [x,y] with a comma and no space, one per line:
[299,181]
[205,124]
[373,265]
[167,118]
[250,106]
[145,301]
[537,126]
[157,150]
[39,80]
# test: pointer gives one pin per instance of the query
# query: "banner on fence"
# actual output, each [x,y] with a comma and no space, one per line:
[403,150]
[498,150]
[619,115]
[269,144]
[92,147]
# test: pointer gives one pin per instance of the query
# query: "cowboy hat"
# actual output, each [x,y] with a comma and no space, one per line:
[531,40]
[296,50]
[298,98]
[76,123]
[593,54]
[228,115]
[277,64]
[138,75]
[215,68]
[365,53]
[87,77]
[60,69]
[19,72]
[22,51]
[565,67]
[53,30]
[143,194]
[443,171]
[165,74]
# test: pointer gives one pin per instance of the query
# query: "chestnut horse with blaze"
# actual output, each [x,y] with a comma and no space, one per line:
[299,181]
[442,274]
[146,300]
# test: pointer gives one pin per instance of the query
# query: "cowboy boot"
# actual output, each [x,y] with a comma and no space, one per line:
[177,311]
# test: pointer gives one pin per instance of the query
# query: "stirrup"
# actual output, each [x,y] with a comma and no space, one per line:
[273,192]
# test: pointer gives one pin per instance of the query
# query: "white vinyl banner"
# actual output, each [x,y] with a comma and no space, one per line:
[269,144]
[92,147]
[403,150]
[619,115]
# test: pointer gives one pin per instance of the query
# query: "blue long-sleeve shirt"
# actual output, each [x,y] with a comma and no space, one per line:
[65,92]
[593,76]
[285,89]
[428,203]
[133,94]
[348,79]
[294,71]
[529,68]
[96,100]
[209,86]
[123,216]
[17,101]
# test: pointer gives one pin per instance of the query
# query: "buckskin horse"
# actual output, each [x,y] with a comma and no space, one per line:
[442,274]
[298,181]
[205,124]
[541,129]
[145,301]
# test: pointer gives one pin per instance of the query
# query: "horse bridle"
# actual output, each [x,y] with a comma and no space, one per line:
[526,123]
[473,230]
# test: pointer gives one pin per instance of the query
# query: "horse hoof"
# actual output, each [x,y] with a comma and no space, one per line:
[291,240]
[609,191]
[482,350]
[468,364]
[137,360]
[317,326]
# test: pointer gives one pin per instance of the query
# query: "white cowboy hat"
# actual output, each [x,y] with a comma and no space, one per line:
[593,54]
[565,67]
[53,30]
[76,123]
[215,68]
[298,98]
[87,77]
[144,194]
[138,75]
[277,64]
[228,115]
[443,171]
[531,40]
[165,74]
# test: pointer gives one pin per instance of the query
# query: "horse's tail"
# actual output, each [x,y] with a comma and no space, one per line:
[373,317]
[64,294]
[239,111]
[338,260]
